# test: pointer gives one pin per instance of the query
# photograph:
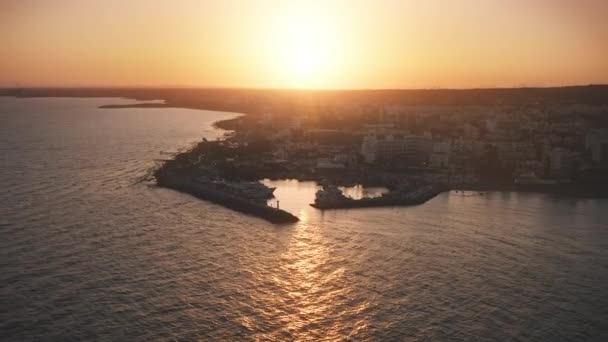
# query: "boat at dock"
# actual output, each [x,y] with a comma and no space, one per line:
[225,194]
[253,191]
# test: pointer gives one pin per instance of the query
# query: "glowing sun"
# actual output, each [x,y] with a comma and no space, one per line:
[306,51]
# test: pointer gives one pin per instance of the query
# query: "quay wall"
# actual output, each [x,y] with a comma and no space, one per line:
[380,201]
[185,184]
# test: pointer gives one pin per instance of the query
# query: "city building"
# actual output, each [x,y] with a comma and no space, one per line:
[386,144]
[596,142]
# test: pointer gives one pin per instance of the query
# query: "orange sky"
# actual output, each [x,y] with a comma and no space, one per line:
[309,44]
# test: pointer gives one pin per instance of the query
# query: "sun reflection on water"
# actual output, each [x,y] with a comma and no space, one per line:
[314,285]
[313,296]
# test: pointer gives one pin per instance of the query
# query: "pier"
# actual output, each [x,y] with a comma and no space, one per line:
[188,185]
[415,197]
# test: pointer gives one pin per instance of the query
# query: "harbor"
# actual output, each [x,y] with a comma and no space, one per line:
[223,173]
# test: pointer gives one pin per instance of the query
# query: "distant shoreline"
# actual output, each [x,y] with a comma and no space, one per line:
[561,190]
[203,88]
[239,99]
[137,105]
[247,101]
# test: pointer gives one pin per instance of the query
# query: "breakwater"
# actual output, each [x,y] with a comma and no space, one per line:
[415,198]
[188,185]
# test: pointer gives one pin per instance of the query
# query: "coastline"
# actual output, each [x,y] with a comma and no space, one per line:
[227,124]
[570,190]
[188,185]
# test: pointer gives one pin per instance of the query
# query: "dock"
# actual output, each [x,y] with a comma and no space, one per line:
[183,183]
[415,198]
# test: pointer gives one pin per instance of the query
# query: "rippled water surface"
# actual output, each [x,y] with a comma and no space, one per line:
[89,252]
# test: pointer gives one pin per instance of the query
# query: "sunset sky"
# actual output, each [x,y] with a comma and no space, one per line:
[303,44]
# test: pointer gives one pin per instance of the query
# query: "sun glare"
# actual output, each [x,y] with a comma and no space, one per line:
[305,50]
[305,54]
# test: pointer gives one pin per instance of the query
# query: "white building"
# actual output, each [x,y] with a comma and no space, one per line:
[561,162]
[440,155]
[387,144]
[596,141]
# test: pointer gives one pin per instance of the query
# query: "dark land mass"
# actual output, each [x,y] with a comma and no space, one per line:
[258,101]
[549,140]
[292,102]
[183,181]
[249,100]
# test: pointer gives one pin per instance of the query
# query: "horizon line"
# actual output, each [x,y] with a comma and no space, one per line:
[193,87]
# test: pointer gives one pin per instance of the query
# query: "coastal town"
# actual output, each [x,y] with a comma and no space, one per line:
[415,143]
[415,151]
[469,146]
